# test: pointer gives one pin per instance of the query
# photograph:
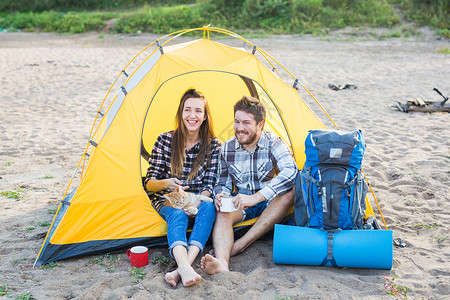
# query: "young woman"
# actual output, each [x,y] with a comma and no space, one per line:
[187,157]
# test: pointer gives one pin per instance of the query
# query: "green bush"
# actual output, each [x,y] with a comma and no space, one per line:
[268,15]
[65,5]
[273,16]
[54,21]
[444,33]
[307,10]
[161,19]
[376,13]
[313,15]
[434,13]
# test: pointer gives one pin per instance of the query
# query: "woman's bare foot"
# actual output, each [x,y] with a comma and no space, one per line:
[188,275]
[172,278]
[212,265]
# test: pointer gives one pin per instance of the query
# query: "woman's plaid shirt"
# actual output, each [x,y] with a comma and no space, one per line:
[160,167]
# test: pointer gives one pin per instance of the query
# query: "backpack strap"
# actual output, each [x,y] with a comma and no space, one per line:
[358,197]
[306,179]
[351,182]
[307,175]
[305,197]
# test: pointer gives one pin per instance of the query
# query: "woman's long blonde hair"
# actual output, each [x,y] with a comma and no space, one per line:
[206,133]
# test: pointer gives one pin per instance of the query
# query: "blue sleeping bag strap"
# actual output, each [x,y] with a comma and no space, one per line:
[329,257]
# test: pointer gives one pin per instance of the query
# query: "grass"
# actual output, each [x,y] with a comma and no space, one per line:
[4,291]
[418,176]
[8,164]
[138,274]
[15,261]
[107,261]
[393,288]
[51,211]
[444,50]
[48,176]
[26,296]
[51,265]
[44,224]
[422,225]
[30,228]
[440,239]
[409,31]
[12,194]
[410,199]
[162,259]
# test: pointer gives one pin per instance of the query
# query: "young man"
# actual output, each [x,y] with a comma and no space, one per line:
[249,162]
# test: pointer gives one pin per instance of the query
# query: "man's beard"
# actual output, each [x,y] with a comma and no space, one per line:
[249,139]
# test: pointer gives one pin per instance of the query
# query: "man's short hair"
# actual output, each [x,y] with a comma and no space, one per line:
[253,106]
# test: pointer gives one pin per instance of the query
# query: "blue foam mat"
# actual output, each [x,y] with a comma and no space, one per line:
[295,245]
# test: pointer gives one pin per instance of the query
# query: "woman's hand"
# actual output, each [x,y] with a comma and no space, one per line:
[156,185]
[173,184]
[217,202]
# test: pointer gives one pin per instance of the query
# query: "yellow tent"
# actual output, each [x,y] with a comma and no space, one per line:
[109,210]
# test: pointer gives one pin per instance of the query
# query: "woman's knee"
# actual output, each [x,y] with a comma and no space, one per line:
[178,215]
[207,209]
[206,205]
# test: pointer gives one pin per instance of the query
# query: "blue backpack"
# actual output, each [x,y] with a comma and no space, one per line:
[330,190]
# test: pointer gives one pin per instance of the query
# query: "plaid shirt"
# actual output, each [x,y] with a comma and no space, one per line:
[160,167]
[257,170]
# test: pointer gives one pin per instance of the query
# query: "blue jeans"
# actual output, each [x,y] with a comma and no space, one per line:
[177,224]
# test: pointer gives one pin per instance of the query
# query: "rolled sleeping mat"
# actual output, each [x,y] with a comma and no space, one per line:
[372,249]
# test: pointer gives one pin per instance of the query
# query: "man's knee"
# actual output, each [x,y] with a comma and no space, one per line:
[286,200]
[226,218]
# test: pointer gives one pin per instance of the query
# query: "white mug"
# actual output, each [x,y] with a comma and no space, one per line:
[227,204]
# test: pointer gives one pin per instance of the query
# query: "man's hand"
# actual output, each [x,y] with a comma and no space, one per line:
[245,201]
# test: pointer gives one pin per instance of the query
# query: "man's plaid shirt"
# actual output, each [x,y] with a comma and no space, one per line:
[160,167]
[269,168]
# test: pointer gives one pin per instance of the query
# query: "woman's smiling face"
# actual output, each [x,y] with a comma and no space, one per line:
[193,114]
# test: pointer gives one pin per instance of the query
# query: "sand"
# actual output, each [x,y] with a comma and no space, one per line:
[52,86]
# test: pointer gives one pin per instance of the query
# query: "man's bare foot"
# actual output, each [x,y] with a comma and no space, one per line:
[237,248]
[172,278]
[188,275]
[212,265]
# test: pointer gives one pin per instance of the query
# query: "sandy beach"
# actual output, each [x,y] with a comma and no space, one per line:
[52,86]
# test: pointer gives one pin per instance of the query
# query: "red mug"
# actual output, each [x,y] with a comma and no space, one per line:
[138,256]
